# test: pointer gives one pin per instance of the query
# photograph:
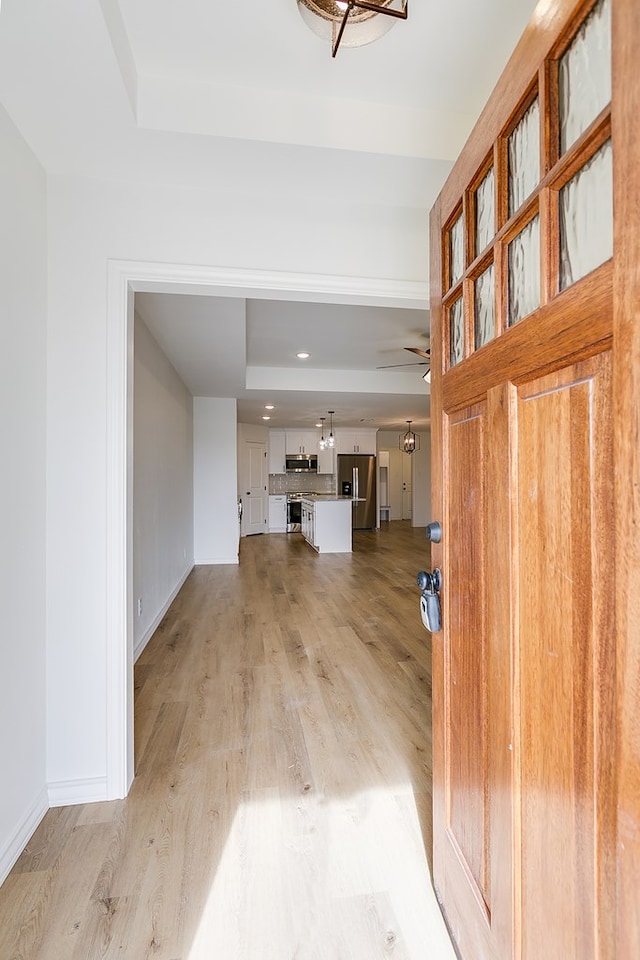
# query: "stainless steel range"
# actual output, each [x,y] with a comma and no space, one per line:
[294,510]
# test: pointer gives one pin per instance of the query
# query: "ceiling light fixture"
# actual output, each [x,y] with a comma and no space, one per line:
[352,23]
[266,418]
[269,406]
[331,442]
[302,355]
[409,442]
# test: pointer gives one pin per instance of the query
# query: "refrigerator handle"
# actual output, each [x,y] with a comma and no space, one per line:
[355,482]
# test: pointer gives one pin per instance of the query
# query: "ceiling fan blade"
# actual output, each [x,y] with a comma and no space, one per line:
[417,363]
[421,353]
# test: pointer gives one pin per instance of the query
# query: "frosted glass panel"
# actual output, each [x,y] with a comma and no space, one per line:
[456,332]
[485,212]
[585,75]
[484,320]
[524,272]
[457,251]
[586,218]
[524,157]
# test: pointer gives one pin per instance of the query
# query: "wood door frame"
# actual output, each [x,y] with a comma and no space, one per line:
[626,401]
[625,305]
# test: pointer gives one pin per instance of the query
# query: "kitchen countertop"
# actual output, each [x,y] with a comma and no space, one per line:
[330,498]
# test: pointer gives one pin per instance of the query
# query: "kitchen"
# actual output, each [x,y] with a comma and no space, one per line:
[324,489]
[314,485]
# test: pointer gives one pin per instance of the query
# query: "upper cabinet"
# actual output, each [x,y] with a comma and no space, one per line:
[302,441]
[356,441]
[327,460]
[277,451]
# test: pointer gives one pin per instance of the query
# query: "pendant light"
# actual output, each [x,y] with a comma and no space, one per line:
[409,441]
[351,23]
[331,441]
[322,443]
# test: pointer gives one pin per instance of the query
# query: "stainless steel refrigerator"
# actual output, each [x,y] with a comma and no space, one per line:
[357,478]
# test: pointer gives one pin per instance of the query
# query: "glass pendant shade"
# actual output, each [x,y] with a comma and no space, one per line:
[331,441]
[322,443]
[351,23]
[409,442]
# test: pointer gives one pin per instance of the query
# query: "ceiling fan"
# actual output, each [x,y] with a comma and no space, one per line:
[426,362]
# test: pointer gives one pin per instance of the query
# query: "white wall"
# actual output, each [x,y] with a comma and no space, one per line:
[91,222]
[421,485]
[162,484]
[215,518]
[23,797]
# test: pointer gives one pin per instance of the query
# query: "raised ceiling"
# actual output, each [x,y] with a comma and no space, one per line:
[242,92]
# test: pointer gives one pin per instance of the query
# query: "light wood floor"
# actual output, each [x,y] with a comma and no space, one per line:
[281,806]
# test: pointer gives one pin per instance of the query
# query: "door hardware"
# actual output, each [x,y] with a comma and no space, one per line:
[434,532]
[430,584]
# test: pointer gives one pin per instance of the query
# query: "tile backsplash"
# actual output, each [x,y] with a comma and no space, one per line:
[302,482]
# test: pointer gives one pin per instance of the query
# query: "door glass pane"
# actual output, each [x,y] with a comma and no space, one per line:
[485,212]
[524,272]
[456,251]
[524,157]
[484,318]
[586,218]
[584,79]
[456,333]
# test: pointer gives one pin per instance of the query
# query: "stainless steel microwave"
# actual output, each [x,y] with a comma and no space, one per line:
[302,463]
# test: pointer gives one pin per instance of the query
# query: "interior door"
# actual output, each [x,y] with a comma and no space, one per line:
[254,495]
[522,447]
[407,486]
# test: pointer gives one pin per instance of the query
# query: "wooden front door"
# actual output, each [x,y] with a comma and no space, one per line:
[524,670]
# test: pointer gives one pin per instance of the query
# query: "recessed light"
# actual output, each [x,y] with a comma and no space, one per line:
[303,355]
[266,418]
[269,406]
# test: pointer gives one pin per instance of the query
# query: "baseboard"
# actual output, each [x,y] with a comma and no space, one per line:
[215,561]
[16,844]
[67,793]
[151,629]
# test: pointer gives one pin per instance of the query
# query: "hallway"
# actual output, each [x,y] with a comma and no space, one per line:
[281,806]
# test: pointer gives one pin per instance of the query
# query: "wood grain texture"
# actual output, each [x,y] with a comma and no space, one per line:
[541,882]
[282,800]
[566,687]
[626,324]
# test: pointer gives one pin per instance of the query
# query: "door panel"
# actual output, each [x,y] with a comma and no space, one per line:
[565,630]
[254,502]
[407,486]
[466,661]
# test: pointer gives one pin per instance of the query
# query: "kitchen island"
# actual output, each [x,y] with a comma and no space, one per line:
[326,523]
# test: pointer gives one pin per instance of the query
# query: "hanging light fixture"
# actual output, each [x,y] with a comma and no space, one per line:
[352,23]
[322,443]
[331,440]
[409,441]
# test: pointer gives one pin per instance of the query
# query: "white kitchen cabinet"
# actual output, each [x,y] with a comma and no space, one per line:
[356,441]
[327,460]
[277,451]
[307,521]
[302,441]
[278,513]
[326,524]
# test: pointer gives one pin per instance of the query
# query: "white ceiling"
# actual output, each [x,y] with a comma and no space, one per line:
[246,348]
[158,92]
